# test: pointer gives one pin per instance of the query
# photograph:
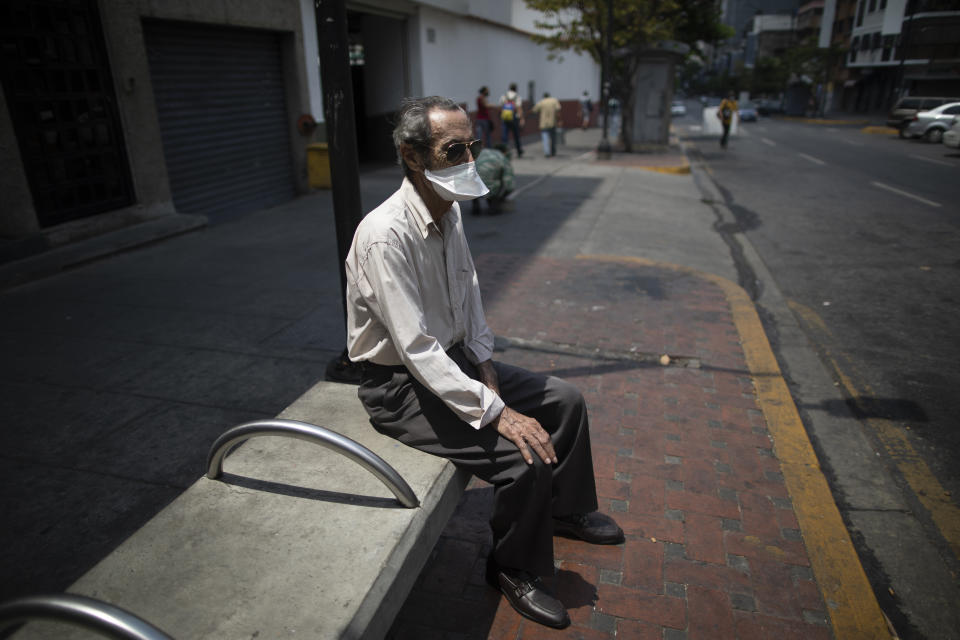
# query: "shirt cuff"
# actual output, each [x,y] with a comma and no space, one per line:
[491,410]
[478,351]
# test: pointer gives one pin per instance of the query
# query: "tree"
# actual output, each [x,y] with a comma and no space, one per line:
[770,76]
[580,26]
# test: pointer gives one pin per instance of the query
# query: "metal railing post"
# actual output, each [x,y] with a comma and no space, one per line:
[318,435]
[95,615]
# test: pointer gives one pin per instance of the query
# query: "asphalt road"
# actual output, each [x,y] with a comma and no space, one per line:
[860,233]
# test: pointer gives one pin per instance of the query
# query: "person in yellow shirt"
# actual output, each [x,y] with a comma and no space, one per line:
[726,112]
[549,111]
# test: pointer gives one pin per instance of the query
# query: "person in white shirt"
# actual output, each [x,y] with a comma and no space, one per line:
[415,323]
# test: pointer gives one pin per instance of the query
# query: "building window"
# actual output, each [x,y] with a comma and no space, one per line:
[863,4]
[883,4]
[873,6]
[877,41]
[887,48]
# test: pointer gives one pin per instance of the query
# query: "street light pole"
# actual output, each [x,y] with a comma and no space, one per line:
[603,149]
[331,16]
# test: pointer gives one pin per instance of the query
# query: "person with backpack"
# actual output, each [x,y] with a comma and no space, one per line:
[511,115]
[726,111]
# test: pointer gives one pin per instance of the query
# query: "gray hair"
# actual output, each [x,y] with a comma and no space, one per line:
[413,125]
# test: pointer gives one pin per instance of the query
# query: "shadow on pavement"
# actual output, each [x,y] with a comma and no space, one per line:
[120,373]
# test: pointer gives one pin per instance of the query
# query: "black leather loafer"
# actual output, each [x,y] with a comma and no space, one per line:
[526,593]
[595,528]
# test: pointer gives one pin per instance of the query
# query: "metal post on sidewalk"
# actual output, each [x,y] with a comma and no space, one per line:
[331,17]
[603,149]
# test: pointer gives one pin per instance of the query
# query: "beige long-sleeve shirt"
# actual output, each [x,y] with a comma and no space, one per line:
[549,109]
[412,293]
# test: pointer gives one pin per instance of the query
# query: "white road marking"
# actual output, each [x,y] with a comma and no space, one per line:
[853,142]
[811,159]
[768,141]
[906,194]
[940,162]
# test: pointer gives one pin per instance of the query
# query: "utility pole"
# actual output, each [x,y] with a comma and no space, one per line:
[337,84]
[603,149]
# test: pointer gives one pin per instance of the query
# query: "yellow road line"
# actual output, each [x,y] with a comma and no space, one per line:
[675,170]
[931,494]
[883,131]
[851,603]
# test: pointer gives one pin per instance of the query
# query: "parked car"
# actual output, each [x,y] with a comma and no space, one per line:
[748,112]
[951,137]
[678,108]
[903,112]
[930,125]
[768,107]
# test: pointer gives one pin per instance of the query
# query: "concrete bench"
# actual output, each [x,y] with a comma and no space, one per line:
[294,541]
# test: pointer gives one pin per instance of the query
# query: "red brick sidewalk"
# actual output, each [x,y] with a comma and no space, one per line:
[683,461]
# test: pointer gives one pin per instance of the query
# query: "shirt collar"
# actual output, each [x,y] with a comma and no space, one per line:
[421,214]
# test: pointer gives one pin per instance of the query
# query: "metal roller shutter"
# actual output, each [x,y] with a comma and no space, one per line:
[223,117]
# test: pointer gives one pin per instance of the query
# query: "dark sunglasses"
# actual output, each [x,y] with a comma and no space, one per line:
[457,149]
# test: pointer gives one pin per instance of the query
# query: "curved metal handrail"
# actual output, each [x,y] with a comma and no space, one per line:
[318,435]
[82,611]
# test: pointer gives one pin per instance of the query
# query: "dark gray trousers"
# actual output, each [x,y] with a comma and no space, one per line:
[526,497]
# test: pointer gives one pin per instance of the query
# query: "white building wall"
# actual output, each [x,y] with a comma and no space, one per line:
[465,54]
[826,24]
[873,22]
[893,16]
[311,53]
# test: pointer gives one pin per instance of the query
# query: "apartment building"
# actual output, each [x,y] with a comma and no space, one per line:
[895,48]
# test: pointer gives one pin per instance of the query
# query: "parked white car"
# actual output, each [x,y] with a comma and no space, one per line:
[931,125]
[678,108]
[951,137]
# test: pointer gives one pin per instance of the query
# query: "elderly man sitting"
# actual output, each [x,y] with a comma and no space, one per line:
[415,322]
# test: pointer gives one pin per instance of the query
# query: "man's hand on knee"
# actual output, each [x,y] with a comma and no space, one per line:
[526,433]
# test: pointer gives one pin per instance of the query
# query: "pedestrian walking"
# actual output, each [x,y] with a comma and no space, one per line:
[549,111]
[511,116]
[415,321]
[726,112]
[483,122]
[586,110]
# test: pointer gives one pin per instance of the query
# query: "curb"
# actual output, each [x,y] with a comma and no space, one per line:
[853,608]
[68,256]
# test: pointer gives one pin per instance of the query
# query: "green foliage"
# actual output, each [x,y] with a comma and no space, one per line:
[770,76]
[581,25]
[804,61]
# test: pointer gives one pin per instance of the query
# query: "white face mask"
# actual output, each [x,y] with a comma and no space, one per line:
[460,182]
